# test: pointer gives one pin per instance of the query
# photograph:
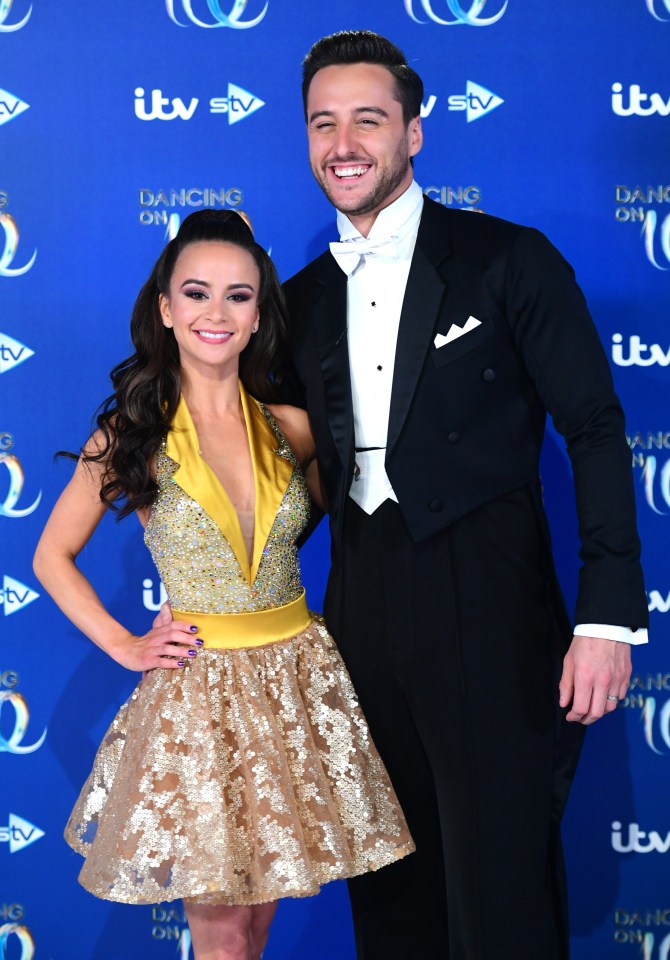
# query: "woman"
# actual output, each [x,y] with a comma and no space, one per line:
[241,769]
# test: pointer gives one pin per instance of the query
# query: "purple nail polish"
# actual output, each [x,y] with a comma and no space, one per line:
[198,642]
[193,629]
[181,663]
[191,653]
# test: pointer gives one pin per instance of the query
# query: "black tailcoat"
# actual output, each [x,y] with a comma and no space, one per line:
[469,599]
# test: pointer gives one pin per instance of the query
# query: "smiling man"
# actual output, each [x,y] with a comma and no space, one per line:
[430,345]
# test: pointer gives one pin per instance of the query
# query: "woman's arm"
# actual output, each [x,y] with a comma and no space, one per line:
[294,424]
[69,528]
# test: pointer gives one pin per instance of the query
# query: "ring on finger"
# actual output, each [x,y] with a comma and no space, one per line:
[610,696]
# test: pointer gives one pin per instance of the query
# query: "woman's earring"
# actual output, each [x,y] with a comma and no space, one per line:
[254,329]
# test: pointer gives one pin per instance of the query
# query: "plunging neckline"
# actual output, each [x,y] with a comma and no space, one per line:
[219,480]
[271,471]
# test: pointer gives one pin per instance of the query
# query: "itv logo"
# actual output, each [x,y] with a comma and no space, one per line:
[238,104]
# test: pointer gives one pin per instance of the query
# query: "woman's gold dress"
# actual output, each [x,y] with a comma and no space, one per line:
[249,774]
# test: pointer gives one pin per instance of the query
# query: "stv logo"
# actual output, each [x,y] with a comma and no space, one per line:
[12,353]
[14,596]
[19,833]
[477,101]
[10,106]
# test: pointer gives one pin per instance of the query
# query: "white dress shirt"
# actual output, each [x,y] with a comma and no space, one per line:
[375,292]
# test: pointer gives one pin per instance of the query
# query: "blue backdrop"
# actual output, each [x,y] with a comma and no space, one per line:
[118,119]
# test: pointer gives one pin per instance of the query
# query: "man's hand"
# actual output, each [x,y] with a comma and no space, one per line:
[593,670]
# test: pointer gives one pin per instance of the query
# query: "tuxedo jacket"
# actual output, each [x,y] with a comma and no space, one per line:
[467,416]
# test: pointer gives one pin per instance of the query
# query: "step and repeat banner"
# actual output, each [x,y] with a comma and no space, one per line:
[116,121]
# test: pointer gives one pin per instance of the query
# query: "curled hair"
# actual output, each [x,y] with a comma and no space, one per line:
[147,385]
[364,46]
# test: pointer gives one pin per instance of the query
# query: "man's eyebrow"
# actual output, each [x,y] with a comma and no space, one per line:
[329,113]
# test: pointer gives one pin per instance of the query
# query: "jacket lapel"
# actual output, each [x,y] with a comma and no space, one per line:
[329,319]
[423,296]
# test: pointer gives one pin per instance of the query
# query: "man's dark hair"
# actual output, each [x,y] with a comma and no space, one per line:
[364,46]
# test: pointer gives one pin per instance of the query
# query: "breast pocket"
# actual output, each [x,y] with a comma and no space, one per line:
[464,343]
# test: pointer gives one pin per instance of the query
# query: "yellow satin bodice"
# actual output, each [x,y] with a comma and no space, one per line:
[194,533]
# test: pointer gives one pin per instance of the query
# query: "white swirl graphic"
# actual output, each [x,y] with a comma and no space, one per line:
[8,508]
[5,6]
[470,17]
[653,4]
[221,19]
[12,744]
[23,935]
[11,231]
[649,228]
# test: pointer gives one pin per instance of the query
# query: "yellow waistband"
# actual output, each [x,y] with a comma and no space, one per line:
[232,631]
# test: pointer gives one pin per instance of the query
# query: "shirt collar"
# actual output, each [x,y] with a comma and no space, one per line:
[398,220]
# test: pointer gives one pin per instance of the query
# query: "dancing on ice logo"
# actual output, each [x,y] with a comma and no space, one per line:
[221,19]
[14,742]
[169,923]
[647,206]
[650,227]
[24,938]
[649,695]
[8,506]
[5,7]
[11,242]
[653,6]
[471,16]
[633,926]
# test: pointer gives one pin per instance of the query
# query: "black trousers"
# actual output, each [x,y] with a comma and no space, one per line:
[453,648]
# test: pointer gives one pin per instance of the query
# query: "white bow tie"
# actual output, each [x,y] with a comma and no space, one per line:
[348,253]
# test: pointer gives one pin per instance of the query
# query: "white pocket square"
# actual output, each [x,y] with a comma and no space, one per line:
[454,331]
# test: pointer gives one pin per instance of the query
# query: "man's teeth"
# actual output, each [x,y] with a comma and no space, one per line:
[208,335]
[349,171]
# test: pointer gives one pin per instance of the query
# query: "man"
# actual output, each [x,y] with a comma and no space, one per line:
[429,345]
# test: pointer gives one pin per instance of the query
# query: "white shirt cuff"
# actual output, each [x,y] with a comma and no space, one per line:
[607,631]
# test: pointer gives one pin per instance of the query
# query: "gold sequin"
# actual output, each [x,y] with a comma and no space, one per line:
[249,774]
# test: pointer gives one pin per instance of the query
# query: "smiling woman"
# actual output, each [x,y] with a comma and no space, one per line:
[212,300]
[241,769]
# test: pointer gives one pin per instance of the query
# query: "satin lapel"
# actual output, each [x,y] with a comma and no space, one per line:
[272,474]
[198,481]
[423,296]
[329,318]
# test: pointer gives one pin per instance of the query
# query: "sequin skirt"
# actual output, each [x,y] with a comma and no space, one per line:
[246,776]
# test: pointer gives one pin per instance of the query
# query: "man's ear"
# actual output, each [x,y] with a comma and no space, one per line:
[415,136]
